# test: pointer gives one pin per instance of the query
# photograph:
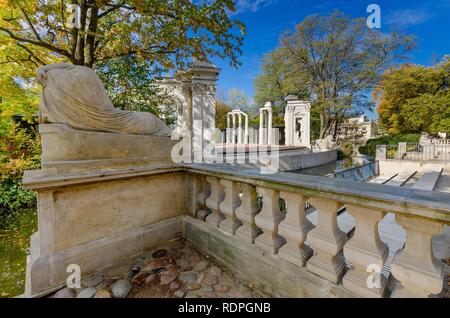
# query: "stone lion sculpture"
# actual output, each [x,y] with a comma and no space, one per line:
[74,95]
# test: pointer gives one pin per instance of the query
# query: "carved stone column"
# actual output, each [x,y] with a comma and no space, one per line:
[365,249]
[294,229]
[246,212]
[228,207]
[420,273]
[215,198]
[327,241]
[268,220]
[202,194]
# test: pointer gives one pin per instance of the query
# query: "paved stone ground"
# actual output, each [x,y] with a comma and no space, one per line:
[173,270]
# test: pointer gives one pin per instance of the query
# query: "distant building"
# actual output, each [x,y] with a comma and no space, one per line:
[360,127]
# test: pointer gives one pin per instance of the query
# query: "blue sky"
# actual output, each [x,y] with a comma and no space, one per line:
[266,20]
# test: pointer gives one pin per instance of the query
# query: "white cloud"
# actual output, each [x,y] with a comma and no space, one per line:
[251,5]
[408,17]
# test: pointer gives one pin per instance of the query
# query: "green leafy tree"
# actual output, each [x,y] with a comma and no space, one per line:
[162,32]
[222,110]
[338,59]
[128,42]
[415,99]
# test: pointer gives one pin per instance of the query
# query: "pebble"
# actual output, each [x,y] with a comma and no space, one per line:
[207,289]
[221,288]
[87,293]
[102,293]
[182,262]
[179,293]
[215,270]
[92,281]
[194,286]
[188,278]
[140,278]
[121,288]
[210,279]
[174,285]
[159,254]
[201,266]
[168,277]
[150,280]
[65,293]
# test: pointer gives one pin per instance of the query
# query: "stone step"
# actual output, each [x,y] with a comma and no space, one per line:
[401,178]
[428,180]
[382,179]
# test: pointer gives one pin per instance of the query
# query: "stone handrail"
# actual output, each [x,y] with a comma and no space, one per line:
[324,249]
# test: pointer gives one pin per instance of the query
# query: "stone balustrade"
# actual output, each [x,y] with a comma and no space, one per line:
[324,249]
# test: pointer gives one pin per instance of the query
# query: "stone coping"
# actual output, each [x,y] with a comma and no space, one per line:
[422,203]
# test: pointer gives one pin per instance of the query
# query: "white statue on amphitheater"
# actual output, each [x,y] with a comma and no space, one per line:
[74,95]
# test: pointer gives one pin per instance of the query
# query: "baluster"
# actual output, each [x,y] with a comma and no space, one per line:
[294,229]
[246,212]
[268,220]
[228,207]
[363,249]
[217,195]
[327,241]
[420,273]
[202,194]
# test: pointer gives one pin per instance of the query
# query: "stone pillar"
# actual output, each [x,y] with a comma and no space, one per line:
[239,128]
[381,152]
[203,78]
[364,249]
[246,130]
[269,128]
[234,128]
[261,122]
[306,136]
[294,229]
[228,207]
[228,131]
[246,212]
[327,241]
[268,220]
[420,273]
[215,198]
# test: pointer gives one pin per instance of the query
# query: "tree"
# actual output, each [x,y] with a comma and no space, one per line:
[340,59]
[128,42]
[279,78]
[165,33]
[238,99]
[415,99]
[222,110]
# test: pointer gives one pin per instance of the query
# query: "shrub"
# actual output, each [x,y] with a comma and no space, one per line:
[19,150]
[371,145]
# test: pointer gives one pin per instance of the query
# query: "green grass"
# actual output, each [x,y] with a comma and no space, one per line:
[15,231]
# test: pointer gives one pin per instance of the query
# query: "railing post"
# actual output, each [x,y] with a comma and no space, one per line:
[327,241]
[294,229]
[420,273]
[217,195]
[246,212]
[268,220]
[366,252]
[228,207]
[381,152]
[203,193]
